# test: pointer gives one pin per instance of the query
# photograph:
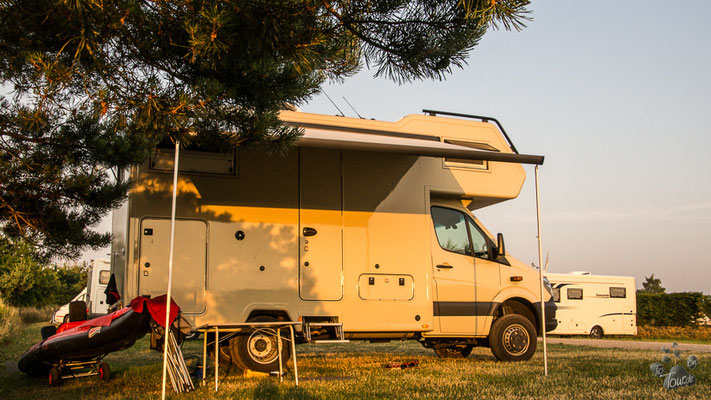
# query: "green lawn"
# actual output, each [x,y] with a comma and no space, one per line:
[355,371]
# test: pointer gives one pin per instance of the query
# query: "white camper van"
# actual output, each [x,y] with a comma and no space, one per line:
[99,274]
[366,230]
[594,305]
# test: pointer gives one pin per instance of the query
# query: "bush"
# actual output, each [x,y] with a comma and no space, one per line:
[10,321]
[670,309]
[26,282]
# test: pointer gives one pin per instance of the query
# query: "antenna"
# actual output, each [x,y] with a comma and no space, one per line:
[353,108]
[334,104]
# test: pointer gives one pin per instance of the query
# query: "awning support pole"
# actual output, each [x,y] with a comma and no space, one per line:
[540,274]
[170,265]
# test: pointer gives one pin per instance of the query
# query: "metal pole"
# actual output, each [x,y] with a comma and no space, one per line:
[170,265]
[540,275]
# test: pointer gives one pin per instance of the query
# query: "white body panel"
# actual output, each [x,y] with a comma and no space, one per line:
[98,278]
[609,302]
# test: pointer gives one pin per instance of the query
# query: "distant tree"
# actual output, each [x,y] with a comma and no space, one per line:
[24,280]
[71,280]
[98,83]
[652,285]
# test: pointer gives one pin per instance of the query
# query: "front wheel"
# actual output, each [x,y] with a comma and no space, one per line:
[55,377]
[596,332]
[104,371]
[512,338]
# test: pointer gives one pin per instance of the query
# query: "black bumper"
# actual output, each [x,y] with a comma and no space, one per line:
[551,320]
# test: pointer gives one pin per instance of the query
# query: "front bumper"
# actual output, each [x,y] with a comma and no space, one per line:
[551,321]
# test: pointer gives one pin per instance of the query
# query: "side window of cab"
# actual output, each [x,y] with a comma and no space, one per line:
[451,230]
[480,244]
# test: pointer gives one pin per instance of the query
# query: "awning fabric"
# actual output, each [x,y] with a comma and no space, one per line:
[331,139]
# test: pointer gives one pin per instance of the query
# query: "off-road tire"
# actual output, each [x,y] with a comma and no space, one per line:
[596,332]
[513,338]
[256,351]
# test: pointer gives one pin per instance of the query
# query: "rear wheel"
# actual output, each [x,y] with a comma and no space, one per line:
[257,349]
[225,356]
[55,377]
[512,338]
[596,332]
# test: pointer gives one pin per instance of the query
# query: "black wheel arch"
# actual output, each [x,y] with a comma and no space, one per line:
[520,306]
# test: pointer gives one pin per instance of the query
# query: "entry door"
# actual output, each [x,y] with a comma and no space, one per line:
[320,225]
[455,305]
[190,252]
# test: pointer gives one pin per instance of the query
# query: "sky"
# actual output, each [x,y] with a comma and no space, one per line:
[617,96]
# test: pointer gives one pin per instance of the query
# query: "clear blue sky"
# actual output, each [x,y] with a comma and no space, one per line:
[617,96]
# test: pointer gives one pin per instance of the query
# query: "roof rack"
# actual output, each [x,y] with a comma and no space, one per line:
[479,117]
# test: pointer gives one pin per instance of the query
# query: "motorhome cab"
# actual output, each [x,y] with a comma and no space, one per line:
[366,230]
[98,278]
[594,305]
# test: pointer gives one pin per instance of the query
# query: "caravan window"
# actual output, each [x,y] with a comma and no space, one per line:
[451,229]
[556,295]
[618,292]
[575,293]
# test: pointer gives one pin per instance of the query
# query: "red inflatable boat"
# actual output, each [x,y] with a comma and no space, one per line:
[80,346]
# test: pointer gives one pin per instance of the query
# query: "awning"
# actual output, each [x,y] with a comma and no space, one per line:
[331,139]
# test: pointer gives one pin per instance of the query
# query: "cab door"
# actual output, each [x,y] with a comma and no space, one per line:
[454,275]
[487,276]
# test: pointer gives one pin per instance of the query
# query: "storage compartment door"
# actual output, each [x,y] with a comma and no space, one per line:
[188,261]
[320,225]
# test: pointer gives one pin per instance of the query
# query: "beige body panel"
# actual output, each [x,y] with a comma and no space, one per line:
[371,212]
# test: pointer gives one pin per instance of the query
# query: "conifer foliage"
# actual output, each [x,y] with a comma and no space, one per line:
[91,86]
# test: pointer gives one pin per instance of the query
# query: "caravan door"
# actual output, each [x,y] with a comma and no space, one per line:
[320,225]
[189,261]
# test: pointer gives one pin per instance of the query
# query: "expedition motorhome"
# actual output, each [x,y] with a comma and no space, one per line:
[363,231]
[594,305]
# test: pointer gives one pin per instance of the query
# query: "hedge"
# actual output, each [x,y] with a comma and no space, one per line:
[671,309]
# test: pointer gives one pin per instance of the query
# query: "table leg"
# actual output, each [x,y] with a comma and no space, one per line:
[217,354]
[293,354]
[281,375]
[204,355]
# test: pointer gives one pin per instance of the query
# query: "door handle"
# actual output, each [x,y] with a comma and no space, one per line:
[445,266]
[310,232]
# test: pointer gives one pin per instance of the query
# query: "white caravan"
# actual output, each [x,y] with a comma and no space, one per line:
[363,231]
[594,305]
[98,278]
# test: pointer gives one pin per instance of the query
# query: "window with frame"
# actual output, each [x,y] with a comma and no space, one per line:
[618,292]
[556,295]
[104,277]
[575,293]
[466,163]
[451,230]
[479,242]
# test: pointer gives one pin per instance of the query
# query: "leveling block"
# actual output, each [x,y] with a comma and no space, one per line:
[76,349]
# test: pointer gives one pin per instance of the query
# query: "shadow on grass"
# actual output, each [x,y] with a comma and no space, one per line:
[272,390]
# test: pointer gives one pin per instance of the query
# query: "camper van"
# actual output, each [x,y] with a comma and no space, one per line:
[365,230]
[98,278]
[594,305]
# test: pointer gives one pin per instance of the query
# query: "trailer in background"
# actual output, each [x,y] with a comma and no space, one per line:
[594,305]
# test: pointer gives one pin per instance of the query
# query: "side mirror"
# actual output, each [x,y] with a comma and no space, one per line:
[500,246]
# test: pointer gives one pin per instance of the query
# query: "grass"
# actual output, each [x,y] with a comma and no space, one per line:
[679,334]
[355,371]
